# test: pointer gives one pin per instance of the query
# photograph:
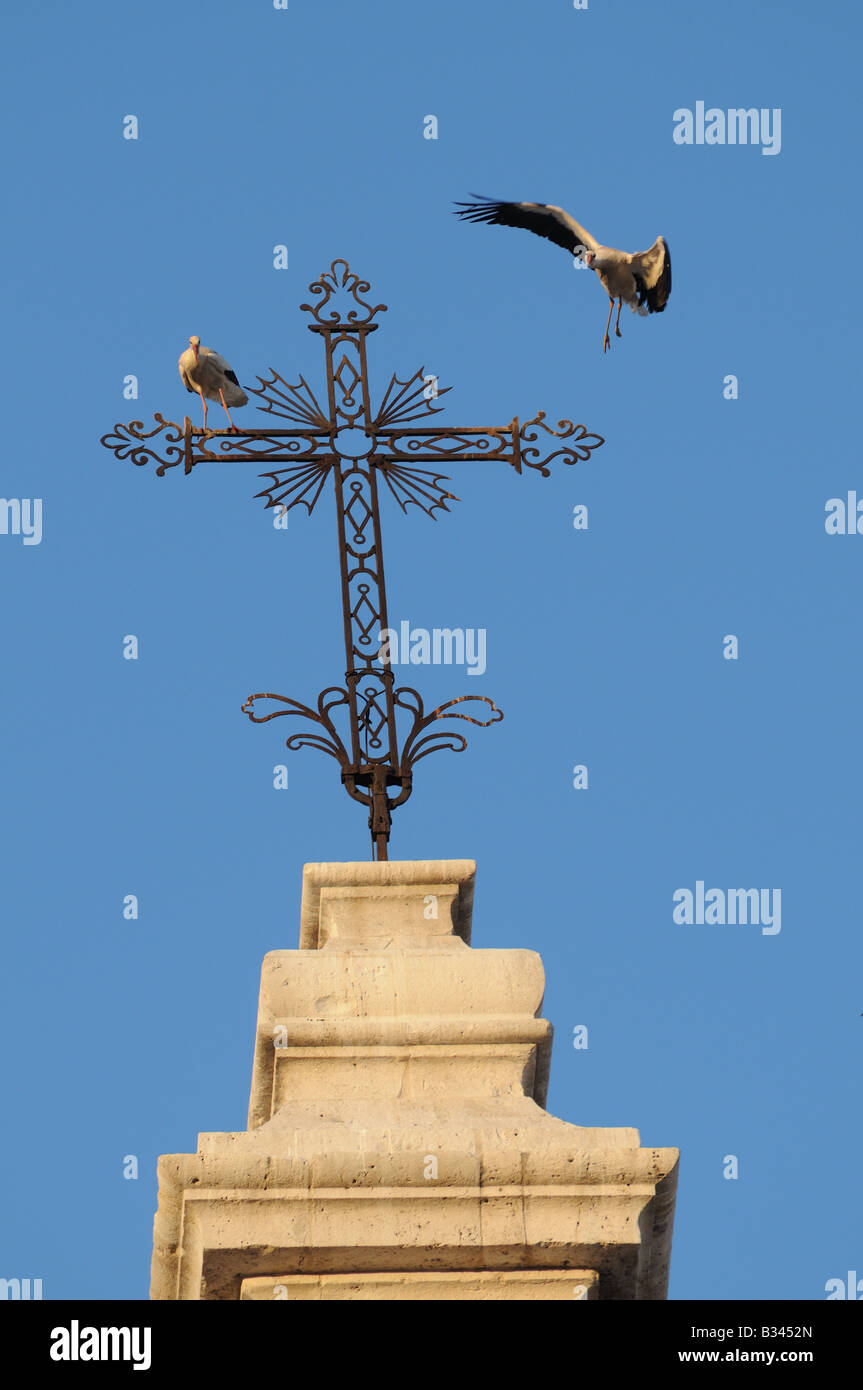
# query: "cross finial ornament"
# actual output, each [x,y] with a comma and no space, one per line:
[374,730]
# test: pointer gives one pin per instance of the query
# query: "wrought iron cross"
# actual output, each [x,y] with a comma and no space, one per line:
[357,447]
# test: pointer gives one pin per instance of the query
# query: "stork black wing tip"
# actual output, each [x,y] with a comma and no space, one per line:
[482,210]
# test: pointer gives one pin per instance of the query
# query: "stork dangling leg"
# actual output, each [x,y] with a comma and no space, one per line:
[204,404]
[606,342]
[617,332]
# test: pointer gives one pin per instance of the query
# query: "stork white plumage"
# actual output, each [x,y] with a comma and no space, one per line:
[203,371]
[641,279]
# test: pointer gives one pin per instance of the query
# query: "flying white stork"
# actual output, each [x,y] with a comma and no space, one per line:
[205,372]
[641,279]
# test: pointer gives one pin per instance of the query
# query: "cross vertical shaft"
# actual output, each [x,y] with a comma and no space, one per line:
[368,672]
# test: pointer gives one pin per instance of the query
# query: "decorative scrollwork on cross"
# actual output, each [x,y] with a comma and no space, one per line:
[578,451]
[297,403]
[296,487]
[416,487]
[408,400]
[129,442]
[327,700]
[413,748]
[329,284]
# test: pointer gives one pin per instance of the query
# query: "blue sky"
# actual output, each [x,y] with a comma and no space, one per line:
[304,127]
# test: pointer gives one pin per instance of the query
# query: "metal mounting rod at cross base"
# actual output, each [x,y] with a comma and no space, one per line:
[359,447]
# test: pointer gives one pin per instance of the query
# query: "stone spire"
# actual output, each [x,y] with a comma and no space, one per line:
[398,1146]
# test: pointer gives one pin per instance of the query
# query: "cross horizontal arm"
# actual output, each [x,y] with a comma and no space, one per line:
[184,444]
[515,444]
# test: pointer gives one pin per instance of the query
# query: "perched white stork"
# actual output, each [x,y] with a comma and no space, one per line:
[641,279]
[205,372]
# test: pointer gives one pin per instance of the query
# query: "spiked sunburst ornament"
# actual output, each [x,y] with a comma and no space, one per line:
[363,724]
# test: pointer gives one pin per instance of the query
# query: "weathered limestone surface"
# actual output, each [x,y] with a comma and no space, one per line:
[397,1146]
[522,1285]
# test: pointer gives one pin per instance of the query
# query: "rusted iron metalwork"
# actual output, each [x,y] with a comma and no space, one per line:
[358,447]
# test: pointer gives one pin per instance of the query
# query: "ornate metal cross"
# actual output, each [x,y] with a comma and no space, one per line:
[358,447]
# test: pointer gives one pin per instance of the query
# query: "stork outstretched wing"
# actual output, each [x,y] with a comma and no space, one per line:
[542,218]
